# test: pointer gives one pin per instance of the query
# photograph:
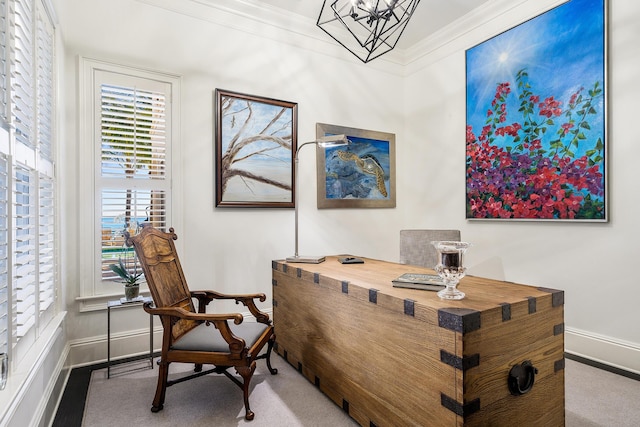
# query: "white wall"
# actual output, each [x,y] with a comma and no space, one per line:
[423,104]
[590,262]
[229,250]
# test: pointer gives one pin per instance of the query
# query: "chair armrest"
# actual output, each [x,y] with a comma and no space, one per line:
[236,344]
[181,313]
[248,300]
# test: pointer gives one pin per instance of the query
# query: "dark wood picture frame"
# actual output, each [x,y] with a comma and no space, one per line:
[255,142]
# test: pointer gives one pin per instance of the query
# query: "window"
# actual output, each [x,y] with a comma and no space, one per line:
[28,260]
[132,153]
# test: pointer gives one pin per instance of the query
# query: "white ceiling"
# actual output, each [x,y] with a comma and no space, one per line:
[429,17]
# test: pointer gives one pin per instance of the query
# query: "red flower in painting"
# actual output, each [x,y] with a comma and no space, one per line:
[514,172]
[550,107]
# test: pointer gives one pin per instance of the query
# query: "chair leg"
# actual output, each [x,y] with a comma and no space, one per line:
[161,388]
[270,344]
[246,372]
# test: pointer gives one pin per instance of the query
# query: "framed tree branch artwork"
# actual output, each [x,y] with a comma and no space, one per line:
[255,139]
[359,175]
[536,119]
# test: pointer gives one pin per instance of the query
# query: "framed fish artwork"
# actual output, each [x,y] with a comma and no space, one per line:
[358,175]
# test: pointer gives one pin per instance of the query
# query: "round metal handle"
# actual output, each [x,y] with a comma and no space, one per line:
[521,378]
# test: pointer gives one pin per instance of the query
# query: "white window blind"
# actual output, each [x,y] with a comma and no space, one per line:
[4,26]
[4,253]
[142,206]
[24,247]
[131,118]
[45,88]
[46,246]
[22,72]
[133,174]
[28,258]
[133,125]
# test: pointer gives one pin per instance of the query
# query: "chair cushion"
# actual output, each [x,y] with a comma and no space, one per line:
[208,338]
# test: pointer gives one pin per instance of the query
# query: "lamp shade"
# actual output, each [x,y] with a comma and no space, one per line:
[366,28]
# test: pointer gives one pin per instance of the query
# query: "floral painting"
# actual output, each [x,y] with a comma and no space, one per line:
[536,136]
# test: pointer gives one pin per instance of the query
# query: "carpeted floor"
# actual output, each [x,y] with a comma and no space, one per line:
[594,398]
[284,400]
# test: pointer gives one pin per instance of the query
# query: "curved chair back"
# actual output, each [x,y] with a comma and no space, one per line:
[161,266]
[416,247]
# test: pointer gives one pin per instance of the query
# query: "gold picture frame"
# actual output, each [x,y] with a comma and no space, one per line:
[359,175]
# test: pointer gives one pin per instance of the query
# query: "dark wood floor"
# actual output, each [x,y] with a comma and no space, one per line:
[71,408]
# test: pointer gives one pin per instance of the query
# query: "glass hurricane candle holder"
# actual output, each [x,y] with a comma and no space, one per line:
[451,267]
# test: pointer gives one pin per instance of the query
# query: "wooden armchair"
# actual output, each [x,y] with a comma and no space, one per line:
[190,336]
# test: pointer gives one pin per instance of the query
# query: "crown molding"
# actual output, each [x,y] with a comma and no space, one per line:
[275,24]
[262,20]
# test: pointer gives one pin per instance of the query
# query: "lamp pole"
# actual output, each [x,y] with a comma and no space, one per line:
[326,141]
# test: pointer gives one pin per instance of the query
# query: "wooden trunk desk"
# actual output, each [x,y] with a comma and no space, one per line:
[402,357]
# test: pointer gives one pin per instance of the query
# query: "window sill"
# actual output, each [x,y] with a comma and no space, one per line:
[99,302]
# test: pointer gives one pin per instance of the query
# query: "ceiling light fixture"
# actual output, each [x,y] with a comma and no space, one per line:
[366,28]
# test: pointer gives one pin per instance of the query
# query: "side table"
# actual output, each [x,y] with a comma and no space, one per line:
[120,304]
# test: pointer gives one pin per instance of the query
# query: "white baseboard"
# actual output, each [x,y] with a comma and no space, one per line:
[598,348]
[616,353]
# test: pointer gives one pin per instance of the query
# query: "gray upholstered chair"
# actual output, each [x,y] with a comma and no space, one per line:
[416,247]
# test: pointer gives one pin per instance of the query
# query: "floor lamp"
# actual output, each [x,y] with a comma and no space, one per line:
[325,141]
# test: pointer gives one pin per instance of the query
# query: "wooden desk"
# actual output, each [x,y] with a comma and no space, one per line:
[403,357]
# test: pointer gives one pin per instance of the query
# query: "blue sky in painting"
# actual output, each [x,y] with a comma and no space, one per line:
[562,50]
[261,115]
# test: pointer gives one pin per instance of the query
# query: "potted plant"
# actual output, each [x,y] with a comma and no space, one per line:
[129,278]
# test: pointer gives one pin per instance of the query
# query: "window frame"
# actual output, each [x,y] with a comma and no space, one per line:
[95,292]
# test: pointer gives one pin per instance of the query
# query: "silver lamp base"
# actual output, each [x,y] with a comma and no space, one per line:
[306,259]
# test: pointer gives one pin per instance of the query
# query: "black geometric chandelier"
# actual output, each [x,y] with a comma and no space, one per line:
[366,28]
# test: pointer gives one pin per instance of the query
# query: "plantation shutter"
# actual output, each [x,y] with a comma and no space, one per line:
[133,166]
[45,92]
[3,63]
[24,189]
[24,263]
[46,245]
[31,177]
[4,183]
[4,253]
[22,74]
[46,278]
[133,126]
